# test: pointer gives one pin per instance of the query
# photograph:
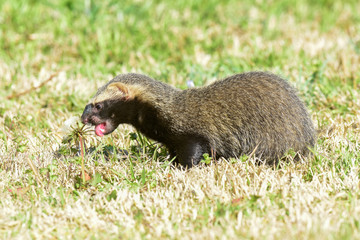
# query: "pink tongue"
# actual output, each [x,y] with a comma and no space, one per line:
[100,129]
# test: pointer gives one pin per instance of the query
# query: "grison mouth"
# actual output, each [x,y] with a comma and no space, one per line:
[100,129]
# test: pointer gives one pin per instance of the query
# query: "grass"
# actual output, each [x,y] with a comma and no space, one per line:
[131,190]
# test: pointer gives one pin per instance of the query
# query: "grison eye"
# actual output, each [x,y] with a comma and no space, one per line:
[98,106]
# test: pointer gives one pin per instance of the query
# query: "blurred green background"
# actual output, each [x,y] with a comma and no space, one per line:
[158,37]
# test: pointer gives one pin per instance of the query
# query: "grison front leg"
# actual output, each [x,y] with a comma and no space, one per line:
[190,153]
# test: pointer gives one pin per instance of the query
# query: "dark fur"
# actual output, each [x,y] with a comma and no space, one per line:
[252,112]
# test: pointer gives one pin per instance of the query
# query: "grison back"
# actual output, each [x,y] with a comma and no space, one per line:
[245,113]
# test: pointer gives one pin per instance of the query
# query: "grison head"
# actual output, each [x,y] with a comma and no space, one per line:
[111,106]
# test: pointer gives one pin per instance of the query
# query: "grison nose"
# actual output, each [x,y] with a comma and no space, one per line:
[84,121]
[86,113]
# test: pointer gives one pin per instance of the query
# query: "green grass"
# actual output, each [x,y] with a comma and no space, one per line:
[132,190]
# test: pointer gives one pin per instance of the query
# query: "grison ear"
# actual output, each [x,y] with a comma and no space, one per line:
[121,89]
